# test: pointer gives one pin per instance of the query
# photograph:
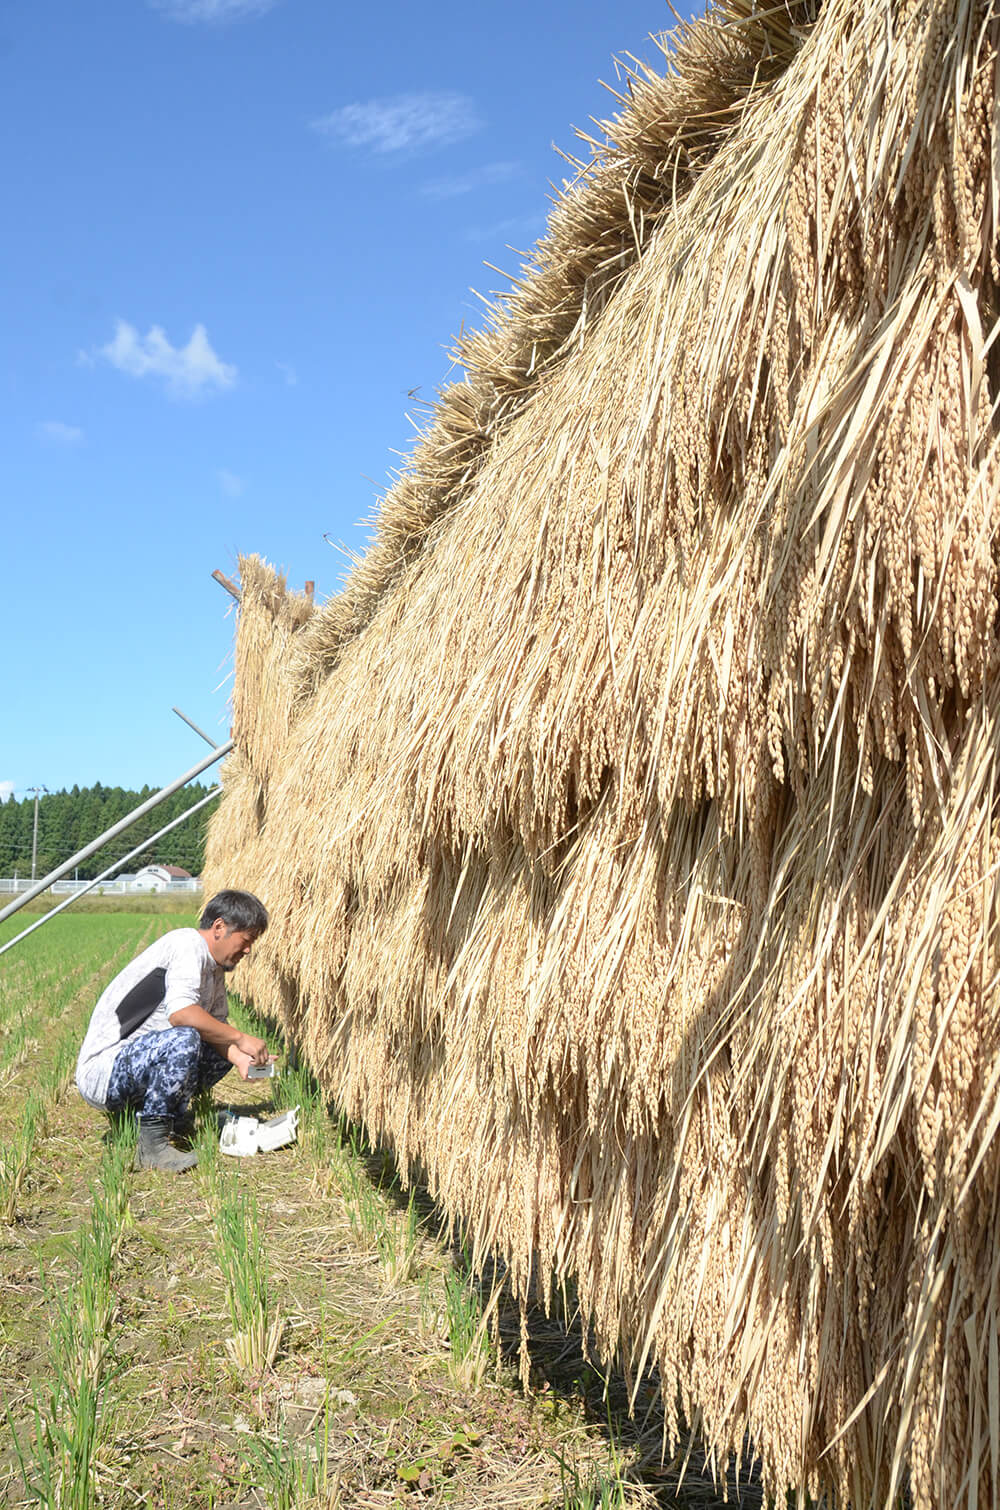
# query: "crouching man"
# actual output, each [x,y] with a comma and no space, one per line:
[159,1032]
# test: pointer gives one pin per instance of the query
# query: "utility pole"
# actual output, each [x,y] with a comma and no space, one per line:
[38,790]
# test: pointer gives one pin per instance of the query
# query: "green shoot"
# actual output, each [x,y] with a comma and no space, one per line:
[256,1336]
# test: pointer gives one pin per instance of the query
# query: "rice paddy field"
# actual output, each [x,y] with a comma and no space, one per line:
[288,1330]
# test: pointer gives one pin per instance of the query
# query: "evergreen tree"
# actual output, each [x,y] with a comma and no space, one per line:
[69,821]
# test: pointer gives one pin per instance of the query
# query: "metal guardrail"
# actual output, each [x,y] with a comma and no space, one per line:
[14,886]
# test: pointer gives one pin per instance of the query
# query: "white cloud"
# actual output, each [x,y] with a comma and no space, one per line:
[467,183]
[525,228]
[6,790]
[59,434]
[187,370]
[212,11]
[288,372]
[230,484]
[404,123]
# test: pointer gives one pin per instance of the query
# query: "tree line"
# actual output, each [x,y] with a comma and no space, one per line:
[70,820]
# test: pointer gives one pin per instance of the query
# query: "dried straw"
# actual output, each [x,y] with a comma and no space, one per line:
[629,823]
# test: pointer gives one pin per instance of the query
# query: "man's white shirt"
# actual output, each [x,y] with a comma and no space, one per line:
[174,972]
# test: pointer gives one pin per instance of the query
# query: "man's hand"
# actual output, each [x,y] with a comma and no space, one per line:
[255,1048]
[246,1050]
[241,1049]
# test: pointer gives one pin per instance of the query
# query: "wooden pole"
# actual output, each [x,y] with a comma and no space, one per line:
[230,587]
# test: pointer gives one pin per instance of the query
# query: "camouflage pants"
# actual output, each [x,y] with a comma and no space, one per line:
[158,1073]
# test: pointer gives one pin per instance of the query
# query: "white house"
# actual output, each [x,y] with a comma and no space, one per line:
[160,877]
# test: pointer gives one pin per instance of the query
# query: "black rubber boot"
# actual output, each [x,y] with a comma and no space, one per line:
[184,1123]
[154,1150]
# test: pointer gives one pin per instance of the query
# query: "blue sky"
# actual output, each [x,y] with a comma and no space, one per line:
[239,236]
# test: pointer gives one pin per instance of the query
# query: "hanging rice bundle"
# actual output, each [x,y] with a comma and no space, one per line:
[263,693]
[629,824]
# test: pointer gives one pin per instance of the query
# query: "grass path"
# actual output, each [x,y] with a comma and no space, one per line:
[383,1390]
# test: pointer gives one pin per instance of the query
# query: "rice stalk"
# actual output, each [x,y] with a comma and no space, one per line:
[16,1154]
[257,1330]
[72,1406]
[297,1479]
